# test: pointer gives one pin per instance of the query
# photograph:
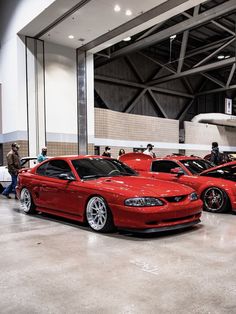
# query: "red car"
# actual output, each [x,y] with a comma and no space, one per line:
[106,193]
[215,185]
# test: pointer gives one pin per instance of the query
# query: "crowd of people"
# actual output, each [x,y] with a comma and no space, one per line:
[14,164]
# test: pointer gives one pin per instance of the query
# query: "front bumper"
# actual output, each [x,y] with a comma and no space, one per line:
[163,229]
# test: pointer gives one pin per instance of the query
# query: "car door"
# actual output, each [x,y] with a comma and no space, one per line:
[55,193]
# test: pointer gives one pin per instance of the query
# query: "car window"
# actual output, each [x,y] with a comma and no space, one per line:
[92,168]
[163,166]
[227,172]
[54,168]
[196,166]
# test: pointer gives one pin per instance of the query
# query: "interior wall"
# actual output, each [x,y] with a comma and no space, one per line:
[123,130]
[203,134]
[60,90]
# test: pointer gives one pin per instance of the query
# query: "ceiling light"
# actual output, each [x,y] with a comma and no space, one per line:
[227,57]
[71,36]
[173,37]
[128,12]
[117,8]
[220,57]
[127,38]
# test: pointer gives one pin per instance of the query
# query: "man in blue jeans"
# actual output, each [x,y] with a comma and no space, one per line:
[13,164]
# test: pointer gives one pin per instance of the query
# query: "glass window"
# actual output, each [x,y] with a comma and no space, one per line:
[41,170]
[54,168]
[91,168]
[163,165]
[196,166]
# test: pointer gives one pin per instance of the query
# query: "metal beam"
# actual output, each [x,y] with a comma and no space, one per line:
[182,51]
[133,103]
[139,85]
[158,105]
[151,30]
[134,68]
[203,68]
[231,75]
[217,90]
[223,27]
[193,22]
[184,111]
[214,52]
[213,79]
[168,68]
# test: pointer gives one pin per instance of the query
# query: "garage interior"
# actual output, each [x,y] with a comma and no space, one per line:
[123,82]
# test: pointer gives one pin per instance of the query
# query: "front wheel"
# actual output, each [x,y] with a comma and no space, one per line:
[26,201]
[99,216]
[215,200]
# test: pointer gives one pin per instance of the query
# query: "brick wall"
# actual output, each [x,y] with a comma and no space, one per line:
[23,150]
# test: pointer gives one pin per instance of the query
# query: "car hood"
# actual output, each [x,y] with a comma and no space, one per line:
[140,186]
[218,167]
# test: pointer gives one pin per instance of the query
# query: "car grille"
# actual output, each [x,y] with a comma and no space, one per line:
[175,199]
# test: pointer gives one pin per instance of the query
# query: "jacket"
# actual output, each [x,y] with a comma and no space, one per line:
[13,163]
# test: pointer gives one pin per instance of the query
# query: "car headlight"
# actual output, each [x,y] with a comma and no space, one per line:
[193,196]
[143,202]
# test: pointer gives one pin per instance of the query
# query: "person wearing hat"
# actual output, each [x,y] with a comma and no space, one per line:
[43,156]
[13,164]
[107,152]
[149,151]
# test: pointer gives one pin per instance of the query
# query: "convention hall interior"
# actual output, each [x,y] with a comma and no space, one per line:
[157,80]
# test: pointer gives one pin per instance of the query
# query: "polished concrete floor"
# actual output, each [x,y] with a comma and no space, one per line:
[50,265]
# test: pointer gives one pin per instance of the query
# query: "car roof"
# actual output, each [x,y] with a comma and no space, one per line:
[178,157]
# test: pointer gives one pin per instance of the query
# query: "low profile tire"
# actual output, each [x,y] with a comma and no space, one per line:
[98,215]
[215,200]
[26,202]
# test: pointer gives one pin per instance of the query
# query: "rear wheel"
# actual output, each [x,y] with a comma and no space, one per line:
[215,200]
[26,201]
[98,215]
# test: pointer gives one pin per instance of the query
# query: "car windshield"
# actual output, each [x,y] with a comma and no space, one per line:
[196,166]
[92,168]
[227,172]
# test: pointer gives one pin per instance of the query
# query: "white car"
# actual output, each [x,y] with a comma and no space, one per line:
[5,178]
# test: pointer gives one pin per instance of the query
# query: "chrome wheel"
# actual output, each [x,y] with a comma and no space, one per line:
[26,201]
[214,200]
[96,213]
[99,215]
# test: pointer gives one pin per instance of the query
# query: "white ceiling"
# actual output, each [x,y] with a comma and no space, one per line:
[97,18]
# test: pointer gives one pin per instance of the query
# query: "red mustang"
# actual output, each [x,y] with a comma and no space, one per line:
[106,193]
[215,185]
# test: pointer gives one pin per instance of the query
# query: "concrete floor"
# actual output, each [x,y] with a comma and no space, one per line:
[49,265]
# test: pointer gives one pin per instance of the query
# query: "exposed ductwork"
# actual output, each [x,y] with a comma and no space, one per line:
[216,118]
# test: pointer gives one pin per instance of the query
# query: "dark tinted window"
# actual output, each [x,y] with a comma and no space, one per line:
[163,166]
[227,172]
[54,168]
[42,169]
[196,166]
[91,168]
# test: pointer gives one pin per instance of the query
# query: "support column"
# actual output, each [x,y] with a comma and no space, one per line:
[35,84]
[85,100]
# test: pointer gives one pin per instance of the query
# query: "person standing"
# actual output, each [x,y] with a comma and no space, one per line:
[215,154]
[149,151]
[107,152]
[121,152]
[43,156]
[13,164]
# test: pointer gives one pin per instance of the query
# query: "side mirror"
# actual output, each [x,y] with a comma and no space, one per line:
[66,176]
[178,171]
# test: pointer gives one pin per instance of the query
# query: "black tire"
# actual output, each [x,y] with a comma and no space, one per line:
[98,215]
[26,201]
[215,200]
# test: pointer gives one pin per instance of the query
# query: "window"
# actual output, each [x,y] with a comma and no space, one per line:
[163,166]
[91,168]
[196,166]
[227,172]
[54,168]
